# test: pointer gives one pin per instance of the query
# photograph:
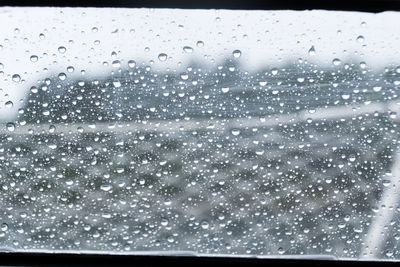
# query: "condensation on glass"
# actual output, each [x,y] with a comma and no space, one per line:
[212,132]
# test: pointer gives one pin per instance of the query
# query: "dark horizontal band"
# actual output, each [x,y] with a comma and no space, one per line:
[365,5]
[49,259]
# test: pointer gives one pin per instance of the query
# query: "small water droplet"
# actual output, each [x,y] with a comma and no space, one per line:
[235,132]
[360,39]
[116,64]
[10,126]
[117,83]
[9,104]
[225,90]
[184,76]
[62,76]
[336,61]
[311,51]
[34,58]
[131,63]
[200,43]
[16,78]
[4,227]
[62,49]
[205,225]
[274,71]
[386,182]
[188,49]
[236,53]
[281,251]
[162,57]
[106,187]
[377,88]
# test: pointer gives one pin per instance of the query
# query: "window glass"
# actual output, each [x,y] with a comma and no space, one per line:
[212,132]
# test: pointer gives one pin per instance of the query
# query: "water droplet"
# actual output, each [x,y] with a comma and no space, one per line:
[281,251]
[70,69]
[360,39]
[52,146]
[16,78]
[386,182]
[4,227]
[336,62]
[200,43]
[377,88]
[10,126]
[235,132]
[116,64]
[52,128]
[345,96]
[62,76]
[9,104]
[117,83]
[274,71]
[184,76]
[106,187]
[131,63]
[311,51]
[162,57]
[188,49]
[205,224]
[164,222]
[236,53]
[34,58]
[225,90]
[62,49]
[300,80]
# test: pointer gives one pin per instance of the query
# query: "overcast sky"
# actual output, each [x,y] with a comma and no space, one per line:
[91,35]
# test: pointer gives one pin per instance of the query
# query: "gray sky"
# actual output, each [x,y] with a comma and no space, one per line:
[263,37]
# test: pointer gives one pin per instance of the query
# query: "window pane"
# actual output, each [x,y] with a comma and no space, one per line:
[202,131]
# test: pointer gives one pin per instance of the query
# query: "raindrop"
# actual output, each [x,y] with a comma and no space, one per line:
[188,49]
[184,76]
[62,49]
[336,62]
[117,83]
[225,90]
[200,43]
[16,78]
[205,225]
[274,71]
[62,76]
[106,187]
[162,57]
[236,53]
[9,104]
[235,132]
[311,51]
[34,58]
[386,183]
[10,126]
[70,69]
[4,227]
[360,39]
[131,64]
[116,64]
